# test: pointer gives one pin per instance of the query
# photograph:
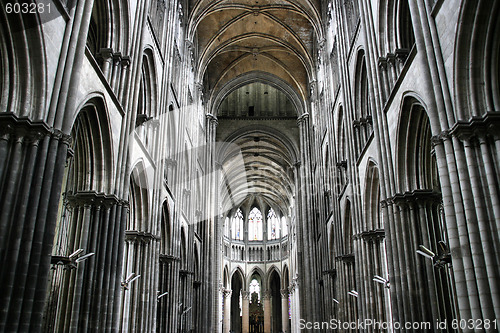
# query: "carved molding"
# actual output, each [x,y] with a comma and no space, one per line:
[139,236]
[372,235]
[91,198]
[167,258]
[488,124]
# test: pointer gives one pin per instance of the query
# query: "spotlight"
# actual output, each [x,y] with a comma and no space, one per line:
[71,261]
[162,295]
[439,260]
[381,280]
[131,278]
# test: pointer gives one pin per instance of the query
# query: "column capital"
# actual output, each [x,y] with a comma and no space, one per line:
[212,119]
[125,61]
[302,118]
[117,58]
[105,53]
[391,58]
[226,293]
[245,295]
[382,63]
[284,293]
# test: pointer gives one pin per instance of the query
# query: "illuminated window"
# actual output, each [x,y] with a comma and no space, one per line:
[255,225]
[255,288]
[237,228]
[273,228]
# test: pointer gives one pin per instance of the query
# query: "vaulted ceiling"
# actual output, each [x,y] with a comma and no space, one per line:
[258,163]
[237,38]
[256,59]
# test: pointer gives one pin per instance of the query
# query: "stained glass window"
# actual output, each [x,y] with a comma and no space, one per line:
[255,224]
[273,229]
[237,229]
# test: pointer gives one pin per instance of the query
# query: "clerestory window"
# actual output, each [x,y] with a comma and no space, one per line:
[255,225]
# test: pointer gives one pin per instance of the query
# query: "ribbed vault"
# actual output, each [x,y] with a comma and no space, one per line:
[237,37]
[268,161]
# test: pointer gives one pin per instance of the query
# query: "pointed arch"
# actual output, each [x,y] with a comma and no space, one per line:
[362,121]
[372,197]
[241,275]
[225,277]
[477,59]
[416,162]
[109,27]
[420,202]
[166,229]
[347,229]
[139,199]
[23,77]
[255,224]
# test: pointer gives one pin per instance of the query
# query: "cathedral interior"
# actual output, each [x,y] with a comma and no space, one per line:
[255,166]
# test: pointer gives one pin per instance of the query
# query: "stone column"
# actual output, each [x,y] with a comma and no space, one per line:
[227,310]
[106,55]
[245,312]
[284,311]
[266,297]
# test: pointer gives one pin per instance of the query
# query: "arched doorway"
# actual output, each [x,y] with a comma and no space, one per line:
[236,302]
[275,294]
[256,312]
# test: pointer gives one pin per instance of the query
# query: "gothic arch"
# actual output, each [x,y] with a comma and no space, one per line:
[420,204]
[416,163]
[404,26]
[164,303]
[362,121]
[237,288]
[270,271]
[148,90]
[477,59]
[395,26]
[239,271]
[92,146]
[196,264]
[85,221]
[225,277]
[257,271]
[341,151]
[23,84]
[372,197]
[183,248]
[262,77]
[274,294]
[166,229]
[286,277]
[139,198]
[109,27]
[347,229]
[373,251]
